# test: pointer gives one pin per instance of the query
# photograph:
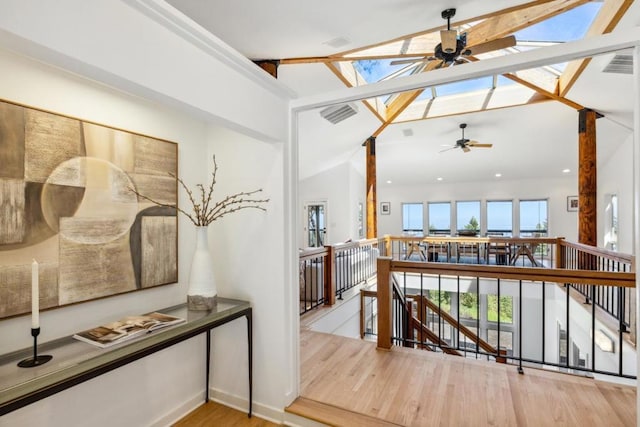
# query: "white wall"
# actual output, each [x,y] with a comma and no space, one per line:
[615,176]
[561,222]
[342,187]
[127,44]
[248,252]
[174,377]
[31,83]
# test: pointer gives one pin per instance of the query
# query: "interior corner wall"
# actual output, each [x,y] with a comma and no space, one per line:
[248,251]
[615,176]
[357,196]
[561,222]
[123,394]
[332,186]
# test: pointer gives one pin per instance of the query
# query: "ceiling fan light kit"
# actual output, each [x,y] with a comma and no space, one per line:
[453,48]
[466,144]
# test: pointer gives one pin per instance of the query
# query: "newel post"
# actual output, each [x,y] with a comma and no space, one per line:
[560,253]
[385,299]
[330,276]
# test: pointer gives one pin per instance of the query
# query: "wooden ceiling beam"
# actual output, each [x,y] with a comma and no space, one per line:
[608,17]
[402,101]
[544,92]
[326,59]
[441,27]
[502,25]
[344,80]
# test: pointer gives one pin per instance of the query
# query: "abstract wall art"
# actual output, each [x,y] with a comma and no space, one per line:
[66,201]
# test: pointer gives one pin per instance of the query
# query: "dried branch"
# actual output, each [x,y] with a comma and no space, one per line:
[203,213]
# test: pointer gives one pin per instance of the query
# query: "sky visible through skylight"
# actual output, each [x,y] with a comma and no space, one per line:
[568,26]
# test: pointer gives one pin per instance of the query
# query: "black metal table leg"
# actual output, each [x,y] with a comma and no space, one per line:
[250,346]
[208,365]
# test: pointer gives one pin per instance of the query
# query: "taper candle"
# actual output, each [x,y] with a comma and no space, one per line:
[35,295]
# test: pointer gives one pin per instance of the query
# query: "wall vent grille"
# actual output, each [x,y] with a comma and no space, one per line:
[621,64]
[337,113]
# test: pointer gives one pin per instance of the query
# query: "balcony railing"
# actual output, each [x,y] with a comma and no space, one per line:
[518,251]
[327,273]
[615,301]
[535,329]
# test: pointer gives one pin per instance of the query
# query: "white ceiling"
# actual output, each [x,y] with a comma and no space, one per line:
[529,142]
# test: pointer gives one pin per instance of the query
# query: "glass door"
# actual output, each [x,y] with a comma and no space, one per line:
[316,229]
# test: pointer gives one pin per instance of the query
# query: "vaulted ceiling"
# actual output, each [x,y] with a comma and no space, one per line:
[335,44]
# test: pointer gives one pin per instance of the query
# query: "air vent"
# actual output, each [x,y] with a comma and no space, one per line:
[407,132]
[338,42]
[338,113]
[621,64]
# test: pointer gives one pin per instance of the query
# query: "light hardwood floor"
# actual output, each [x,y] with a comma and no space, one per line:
[415,388]
[214,414]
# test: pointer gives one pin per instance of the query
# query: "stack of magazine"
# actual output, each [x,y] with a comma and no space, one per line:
[126,329]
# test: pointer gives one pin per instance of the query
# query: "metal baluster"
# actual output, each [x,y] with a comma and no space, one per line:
[520,370]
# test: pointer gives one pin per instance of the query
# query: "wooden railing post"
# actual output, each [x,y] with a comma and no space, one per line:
[363,310]
[387,246]
[560,253]
[385,301]
[409,336]
[330,276]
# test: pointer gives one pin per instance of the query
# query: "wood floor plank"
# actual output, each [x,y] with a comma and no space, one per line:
[215,414]
[332,415]
[419,388]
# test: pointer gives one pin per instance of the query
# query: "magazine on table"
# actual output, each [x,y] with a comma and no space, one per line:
[126,329]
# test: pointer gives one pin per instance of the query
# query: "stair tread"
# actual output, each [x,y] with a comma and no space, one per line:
[332,415]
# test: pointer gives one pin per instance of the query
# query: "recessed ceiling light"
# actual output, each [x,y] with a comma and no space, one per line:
[498,175]
[439,178]
[389,182]
[566,170]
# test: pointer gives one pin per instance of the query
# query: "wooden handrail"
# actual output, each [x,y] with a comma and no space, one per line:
[453,322]
[466,239]
[588,277]
[356,244]
[416,323]
[310,253]
[604,253]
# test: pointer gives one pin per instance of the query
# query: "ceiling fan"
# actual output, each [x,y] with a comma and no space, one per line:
[453,48]
[466,144]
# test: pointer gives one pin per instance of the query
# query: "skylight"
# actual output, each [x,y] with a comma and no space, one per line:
[375,70]
[568,26]
[558,21]
[465,86]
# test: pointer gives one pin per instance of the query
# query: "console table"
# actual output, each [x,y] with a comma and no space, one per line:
[75,362]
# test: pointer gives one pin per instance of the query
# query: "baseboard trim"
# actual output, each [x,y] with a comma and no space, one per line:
[261,410]
[179,412]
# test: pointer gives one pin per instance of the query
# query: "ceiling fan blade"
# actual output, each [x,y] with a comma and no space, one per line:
[481,145]
[414,60]
[447,149]
[466,149]
[502,43]
[408,61]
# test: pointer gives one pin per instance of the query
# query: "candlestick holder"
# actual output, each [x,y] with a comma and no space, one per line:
[35,360]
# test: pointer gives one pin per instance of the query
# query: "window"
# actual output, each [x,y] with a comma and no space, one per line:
[468,307]
[500,218]
[468,216]
[440,218]
[412,219]
[533,218]
[506,309]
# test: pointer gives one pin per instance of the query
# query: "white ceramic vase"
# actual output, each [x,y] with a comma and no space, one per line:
[202,292]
